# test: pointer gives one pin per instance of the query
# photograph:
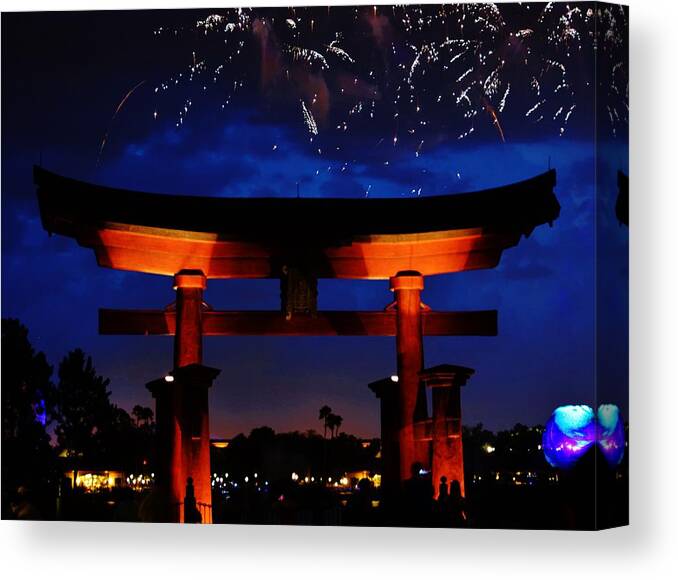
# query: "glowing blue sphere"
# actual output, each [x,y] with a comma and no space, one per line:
[610,434]
[569,433]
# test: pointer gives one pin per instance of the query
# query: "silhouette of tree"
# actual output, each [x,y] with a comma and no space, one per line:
[27,397]
[82,406]
[142,415]
[338,420]
[123,442]
[334,422]
[323,415]
[274,456]
[27,392]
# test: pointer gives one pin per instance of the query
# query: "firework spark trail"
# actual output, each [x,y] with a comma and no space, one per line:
[502,103]
[309,55]
[495,120]
[309,119]
[340,52]
[121,104]
[535,107]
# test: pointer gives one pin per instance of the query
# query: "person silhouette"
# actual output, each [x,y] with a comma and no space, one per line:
[441,505]
[443,492]
[191,512]
[457,509]
[359,508]
[418,497]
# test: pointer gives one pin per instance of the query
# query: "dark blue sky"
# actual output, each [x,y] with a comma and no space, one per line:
[64,74]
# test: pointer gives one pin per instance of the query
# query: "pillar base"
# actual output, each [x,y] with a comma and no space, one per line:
[183,439]
[445,429]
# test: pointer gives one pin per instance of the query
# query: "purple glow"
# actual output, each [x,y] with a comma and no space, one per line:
[569,432]
[610,434]
[40,413]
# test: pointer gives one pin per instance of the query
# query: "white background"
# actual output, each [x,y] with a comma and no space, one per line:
[648,548]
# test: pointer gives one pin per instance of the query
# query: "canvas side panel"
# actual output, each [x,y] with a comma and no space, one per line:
[612,265]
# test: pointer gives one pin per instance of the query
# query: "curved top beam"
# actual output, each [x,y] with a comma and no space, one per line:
[330,237]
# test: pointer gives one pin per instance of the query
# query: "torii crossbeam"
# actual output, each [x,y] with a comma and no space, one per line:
[272,323]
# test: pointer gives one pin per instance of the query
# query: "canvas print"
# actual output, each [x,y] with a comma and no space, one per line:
[356,265]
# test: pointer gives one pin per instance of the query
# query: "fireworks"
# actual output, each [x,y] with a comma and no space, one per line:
[411,76]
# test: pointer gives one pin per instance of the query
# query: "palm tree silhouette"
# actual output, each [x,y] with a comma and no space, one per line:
[323,415]
[142,415]
[334,422]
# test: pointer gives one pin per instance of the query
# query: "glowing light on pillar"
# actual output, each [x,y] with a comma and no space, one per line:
[610,434]
[394,378]
[169,379]
[569,433]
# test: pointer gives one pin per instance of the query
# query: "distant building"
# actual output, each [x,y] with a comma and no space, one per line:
[219,443]
[96,480]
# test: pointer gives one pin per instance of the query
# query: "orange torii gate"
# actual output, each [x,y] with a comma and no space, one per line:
[194,239]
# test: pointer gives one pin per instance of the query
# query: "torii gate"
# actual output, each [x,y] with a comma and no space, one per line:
[194,239]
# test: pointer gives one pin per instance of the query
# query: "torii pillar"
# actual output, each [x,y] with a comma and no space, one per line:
[387,393]
[445,382]
[182,411]
[407,287]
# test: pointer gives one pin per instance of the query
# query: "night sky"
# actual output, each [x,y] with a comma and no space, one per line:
[64,75]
